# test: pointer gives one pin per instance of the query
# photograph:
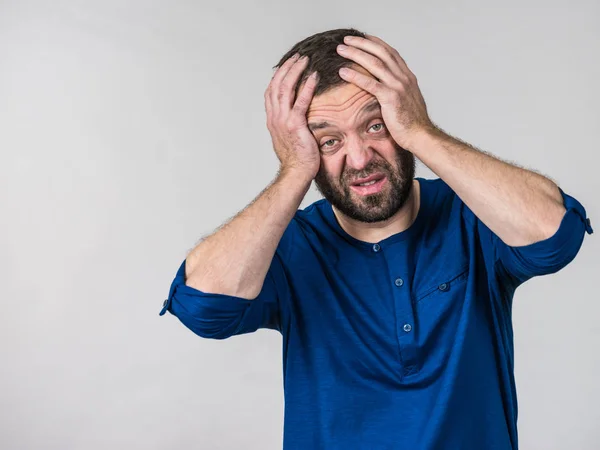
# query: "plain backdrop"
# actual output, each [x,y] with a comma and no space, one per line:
[130,129]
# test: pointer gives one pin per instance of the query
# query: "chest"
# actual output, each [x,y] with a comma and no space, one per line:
[394,312]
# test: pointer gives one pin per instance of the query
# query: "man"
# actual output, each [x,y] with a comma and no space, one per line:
[393,294]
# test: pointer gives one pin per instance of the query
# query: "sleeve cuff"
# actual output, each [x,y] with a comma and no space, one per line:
[178,285]
[179,279]
[574,212]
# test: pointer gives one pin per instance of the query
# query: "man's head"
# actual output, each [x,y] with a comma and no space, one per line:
[347,124]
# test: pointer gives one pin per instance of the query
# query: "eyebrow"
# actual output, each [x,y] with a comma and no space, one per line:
[369,107]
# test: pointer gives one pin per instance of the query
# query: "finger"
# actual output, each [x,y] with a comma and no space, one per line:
[370,62]
[373,57]
[268,109]
[306,95]
[391,50]
[287,88]
[276,80]
[363,81]
[283,69]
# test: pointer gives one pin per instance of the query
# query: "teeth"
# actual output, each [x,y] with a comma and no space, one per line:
[368,183]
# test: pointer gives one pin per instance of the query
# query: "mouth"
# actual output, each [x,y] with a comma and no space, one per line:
[369,185]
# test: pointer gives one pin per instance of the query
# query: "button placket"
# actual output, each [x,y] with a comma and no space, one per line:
[405,328]
[399,277]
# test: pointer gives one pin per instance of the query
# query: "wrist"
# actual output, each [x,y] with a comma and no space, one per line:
[295,174]
[422,137]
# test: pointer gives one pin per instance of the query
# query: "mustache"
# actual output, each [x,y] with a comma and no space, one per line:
[348,177]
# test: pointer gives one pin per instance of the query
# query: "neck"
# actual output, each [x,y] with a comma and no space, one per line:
[376,232]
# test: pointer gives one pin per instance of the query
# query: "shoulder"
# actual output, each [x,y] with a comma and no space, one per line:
[436,190]
[306,221]
[439,199]
[445,213]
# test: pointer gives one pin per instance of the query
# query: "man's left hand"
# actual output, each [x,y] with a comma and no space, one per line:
[402,105]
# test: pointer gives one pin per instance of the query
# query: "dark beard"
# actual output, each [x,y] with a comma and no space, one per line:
[376,207]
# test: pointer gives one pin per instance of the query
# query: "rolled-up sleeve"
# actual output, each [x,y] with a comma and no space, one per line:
[219,316]
[551,254]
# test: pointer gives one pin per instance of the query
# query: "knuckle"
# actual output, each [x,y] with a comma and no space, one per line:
[374,85]
[282,91]
[378,63]
[302,101]
[292,123]
[398,85]
[393,55]
[289,123]
[296,113]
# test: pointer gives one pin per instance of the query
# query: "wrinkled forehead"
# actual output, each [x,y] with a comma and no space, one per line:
[341,100]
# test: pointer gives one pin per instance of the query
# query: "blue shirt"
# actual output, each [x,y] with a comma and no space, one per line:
[402,344]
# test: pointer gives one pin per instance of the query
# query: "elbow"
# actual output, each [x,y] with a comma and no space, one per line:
[208,315]
[211,316]
[555,214]
[541,226]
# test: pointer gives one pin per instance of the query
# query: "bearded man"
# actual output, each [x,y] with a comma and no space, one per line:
[392,293]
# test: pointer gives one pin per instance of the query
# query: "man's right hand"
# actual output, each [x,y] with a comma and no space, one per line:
[293,142]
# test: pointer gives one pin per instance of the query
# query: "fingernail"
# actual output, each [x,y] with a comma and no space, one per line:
[304,58]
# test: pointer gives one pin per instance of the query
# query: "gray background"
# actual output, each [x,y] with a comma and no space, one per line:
[128,130]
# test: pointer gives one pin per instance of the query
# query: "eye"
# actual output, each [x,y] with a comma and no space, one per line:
[325,146]
[377,125]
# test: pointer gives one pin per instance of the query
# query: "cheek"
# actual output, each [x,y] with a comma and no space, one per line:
[331,169]
[394,155]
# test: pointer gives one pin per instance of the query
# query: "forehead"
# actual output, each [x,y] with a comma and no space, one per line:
[338,99]
[342,101]
[343,104]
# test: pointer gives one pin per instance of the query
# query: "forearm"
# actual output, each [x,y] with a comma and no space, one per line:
[235,259]
[520,206]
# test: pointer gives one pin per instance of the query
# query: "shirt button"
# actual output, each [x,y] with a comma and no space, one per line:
[407,327]
[399,282]
[443,287]
[376,247]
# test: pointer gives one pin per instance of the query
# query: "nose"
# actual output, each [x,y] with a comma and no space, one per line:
[358,153]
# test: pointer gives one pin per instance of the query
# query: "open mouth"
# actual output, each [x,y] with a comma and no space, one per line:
[372,185]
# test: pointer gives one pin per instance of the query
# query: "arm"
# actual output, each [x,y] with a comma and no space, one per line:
[234,281]
[520,206]
[530,226]
[235,259]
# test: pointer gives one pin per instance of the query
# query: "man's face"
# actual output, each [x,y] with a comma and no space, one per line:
[354,145]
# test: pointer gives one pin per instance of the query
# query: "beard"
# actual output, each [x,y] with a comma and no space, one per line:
[374,207]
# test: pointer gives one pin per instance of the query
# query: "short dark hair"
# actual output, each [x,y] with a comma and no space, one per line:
[323,57]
